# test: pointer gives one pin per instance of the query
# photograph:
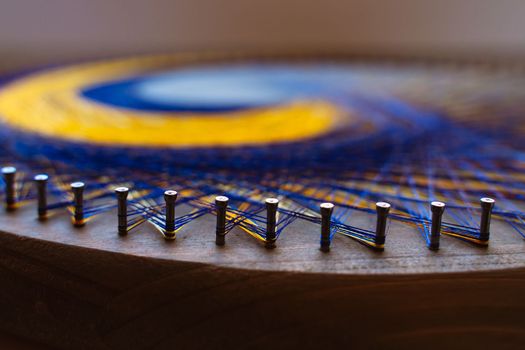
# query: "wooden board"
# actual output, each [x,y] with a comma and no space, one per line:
[90,288]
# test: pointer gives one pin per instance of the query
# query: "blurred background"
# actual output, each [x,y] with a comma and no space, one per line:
[36,32]
[39,32]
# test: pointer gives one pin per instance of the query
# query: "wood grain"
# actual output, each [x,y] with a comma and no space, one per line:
[90,289]
[297,248]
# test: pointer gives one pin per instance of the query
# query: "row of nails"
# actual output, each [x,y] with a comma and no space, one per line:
[221,204]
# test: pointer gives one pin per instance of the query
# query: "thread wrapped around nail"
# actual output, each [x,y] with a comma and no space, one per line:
[78,203]
[271,222]
[170,197]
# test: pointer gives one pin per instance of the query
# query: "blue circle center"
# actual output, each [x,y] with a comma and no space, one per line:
[218,89]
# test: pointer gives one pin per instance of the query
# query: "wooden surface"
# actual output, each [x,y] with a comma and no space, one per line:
[297,248]
[90,289]
[11,342]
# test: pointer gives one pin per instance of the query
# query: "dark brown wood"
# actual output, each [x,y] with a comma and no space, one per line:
[89,288]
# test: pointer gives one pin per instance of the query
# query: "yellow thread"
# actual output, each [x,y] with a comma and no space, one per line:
[131,227]
[470,239]
[48,104]
[233,216]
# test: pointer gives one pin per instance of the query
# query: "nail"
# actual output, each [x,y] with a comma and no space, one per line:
[170,197]
[271,221]
[221,204]
[41,188]
[9,174]
[486,212]
[78,203]
[382,209]
[122,210]
[326,216]
[437,213]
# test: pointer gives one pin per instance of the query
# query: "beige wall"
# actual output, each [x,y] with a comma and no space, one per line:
[49,30]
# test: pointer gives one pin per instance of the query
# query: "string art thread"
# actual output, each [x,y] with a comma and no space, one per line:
[262,143]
